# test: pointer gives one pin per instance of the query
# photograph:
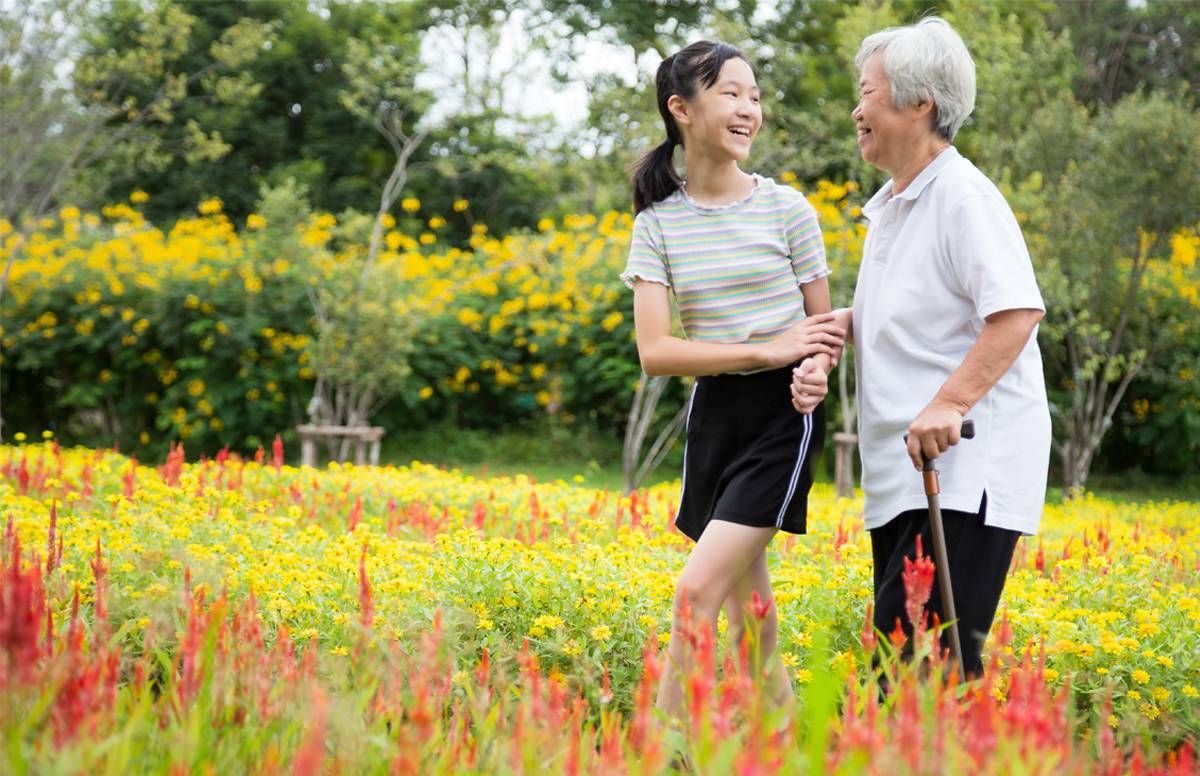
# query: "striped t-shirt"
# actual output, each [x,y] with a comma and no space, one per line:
[736,270]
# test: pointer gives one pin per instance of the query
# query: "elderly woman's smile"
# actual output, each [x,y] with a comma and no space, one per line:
[890,137]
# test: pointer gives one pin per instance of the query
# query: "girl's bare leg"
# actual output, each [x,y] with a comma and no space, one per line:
[725,552]
[737,609]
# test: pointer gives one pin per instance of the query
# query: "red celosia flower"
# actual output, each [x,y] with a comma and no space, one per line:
[918,583]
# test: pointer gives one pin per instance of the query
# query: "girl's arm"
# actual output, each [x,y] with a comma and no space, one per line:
[817,302]
[663,354]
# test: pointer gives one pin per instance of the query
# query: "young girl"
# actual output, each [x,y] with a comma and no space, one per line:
[746,262]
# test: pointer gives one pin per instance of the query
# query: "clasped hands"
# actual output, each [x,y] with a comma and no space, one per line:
[818,340]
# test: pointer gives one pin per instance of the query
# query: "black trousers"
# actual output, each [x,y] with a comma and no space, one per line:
[979,557]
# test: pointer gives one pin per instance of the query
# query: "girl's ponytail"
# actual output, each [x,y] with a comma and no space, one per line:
[655,177]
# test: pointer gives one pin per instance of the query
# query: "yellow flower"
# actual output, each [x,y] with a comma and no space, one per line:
[601,633]
[460,205]
[19,436]
[1140,676]
[425,392]
[410,204]
[545,225]
[139,197]
[437,222]
[1190,691]
[47,435]
[255,221]
[211,207]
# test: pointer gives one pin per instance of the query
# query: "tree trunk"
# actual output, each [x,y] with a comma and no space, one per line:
[845,441]
[634,465]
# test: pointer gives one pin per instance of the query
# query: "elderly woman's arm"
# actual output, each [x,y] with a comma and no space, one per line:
[1001,340]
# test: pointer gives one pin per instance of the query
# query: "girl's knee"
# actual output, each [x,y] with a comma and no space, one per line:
[695,598]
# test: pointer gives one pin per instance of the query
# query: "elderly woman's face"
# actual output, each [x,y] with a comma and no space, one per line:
[887,135]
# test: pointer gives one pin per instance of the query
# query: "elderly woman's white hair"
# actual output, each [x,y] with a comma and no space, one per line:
[926,60]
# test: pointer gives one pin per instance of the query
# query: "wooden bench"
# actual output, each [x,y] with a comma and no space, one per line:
[365,440]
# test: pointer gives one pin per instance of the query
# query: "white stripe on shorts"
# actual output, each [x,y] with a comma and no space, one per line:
[686,424]
[791,491]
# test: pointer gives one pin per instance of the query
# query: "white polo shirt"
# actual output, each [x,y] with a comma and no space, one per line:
[939,258]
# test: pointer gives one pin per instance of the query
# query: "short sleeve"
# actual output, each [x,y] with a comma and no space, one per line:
[647,257]
[806,247]
[989,257]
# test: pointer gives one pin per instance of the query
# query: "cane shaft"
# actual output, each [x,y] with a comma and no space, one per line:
[941,557]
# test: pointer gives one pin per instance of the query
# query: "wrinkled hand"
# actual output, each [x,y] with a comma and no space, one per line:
[936,430]
[815,334]
[810,384]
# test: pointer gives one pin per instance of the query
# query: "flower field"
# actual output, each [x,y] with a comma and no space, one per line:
[233,615]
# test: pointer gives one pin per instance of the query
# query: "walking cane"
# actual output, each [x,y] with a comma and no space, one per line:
[939,548]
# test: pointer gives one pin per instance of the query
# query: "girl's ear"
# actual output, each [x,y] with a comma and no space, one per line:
[679,109]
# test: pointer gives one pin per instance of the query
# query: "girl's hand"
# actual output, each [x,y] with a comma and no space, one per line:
[810,384]
[815,334]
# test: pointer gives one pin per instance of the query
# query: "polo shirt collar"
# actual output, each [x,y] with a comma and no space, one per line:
[923,179]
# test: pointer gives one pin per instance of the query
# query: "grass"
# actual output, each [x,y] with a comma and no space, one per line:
[552,452]
[547,453]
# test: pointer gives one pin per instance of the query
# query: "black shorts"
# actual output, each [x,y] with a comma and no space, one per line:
[748,454]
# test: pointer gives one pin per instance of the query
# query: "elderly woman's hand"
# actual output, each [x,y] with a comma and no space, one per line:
[810,384]
[936,430]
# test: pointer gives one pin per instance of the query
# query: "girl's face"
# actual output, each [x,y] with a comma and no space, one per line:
[723,119]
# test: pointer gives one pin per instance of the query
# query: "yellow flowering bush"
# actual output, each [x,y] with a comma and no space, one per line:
[119,331]
[205,333]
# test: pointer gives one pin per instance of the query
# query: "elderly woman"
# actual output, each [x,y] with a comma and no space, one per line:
[944,320]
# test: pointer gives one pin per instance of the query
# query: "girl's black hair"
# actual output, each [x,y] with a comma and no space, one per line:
[654,175]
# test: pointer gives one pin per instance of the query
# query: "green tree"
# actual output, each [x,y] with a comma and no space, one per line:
[1124,46]
[1119,185]
[364,335]
[291,126]
[58,128]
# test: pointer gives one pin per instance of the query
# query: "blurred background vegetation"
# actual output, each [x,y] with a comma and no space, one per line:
[182,182]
